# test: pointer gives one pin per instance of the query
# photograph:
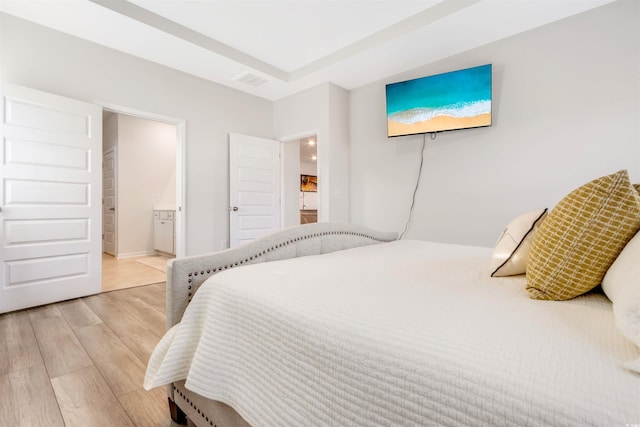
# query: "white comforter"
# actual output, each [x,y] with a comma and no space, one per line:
[403,333]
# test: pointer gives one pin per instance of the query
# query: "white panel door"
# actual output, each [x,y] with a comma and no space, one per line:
[50,198]
[109,222]
[254,188]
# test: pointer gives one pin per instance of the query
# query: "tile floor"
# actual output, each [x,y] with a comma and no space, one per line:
[129,272]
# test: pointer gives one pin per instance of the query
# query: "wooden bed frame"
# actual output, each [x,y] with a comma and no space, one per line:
[185,275]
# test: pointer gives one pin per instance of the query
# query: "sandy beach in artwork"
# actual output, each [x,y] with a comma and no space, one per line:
[438,123]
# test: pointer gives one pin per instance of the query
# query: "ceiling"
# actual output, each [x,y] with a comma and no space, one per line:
[274,48]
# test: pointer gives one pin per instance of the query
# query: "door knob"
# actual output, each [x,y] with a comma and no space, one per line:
[112,209]
[235,209]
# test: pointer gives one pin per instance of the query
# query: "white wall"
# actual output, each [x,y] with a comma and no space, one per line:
[308,168]
[109,132]
[566,110]
[47,60]
[569,89]
[146,179]
[290,183]
[338,154]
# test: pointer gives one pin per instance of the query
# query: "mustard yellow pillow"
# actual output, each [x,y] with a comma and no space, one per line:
[581,237]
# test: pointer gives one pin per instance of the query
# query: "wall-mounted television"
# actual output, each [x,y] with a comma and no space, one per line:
[455,100]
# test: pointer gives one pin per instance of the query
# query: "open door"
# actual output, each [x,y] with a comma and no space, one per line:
[50,198]
[109,188]
[254,188]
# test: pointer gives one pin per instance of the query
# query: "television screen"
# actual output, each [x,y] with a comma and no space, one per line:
[449,101]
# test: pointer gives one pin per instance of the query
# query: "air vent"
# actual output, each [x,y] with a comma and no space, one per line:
[251,79]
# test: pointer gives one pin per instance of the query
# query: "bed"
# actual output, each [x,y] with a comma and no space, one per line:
[341,325]
[336,324]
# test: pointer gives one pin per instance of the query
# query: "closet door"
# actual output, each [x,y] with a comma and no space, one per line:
[109,197]
[50,198]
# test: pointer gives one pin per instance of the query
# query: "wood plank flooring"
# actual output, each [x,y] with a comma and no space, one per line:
[81,362]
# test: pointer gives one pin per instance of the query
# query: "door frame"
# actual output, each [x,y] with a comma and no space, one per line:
[181,138]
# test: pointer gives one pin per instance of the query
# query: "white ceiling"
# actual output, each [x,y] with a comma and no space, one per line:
[294,44]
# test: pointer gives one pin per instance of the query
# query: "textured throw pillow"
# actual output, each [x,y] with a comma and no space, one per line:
[581,237]
[512,249]
[622,285]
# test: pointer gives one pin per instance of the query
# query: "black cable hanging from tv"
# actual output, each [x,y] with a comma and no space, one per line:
[415,190]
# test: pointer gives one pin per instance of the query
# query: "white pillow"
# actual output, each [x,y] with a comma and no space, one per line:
[622,285]
[512,248]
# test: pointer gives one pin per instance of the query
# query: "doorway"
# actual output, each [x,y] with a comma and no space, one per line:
[300,158]
[308,180]
[144,202]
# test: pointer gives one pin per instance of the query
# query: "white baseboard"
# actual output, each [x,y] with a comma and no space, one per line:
[135,254]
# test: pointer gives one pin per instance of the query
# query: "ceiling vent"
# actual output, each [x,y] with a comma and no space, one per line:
[251,79]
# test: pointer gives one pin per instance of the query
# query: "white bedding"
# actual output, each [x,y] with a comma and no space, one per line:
[402,333]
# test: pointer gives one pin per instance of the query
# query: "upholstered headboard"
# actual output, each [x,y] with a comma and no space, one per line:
[185,275]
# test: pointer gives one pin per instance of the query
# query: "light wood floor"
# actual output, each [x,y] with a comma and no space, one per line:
[82,362]
[129,272]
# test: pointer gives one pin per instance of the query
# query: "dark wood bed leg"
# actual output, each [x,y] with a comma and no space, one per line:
[176,413]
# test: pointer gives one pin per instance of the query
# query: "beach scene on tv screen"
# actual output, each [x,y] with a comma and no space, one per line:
[455,100]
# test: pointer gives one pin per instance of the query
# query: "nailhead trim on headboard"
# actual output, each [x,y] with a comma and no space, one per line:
[195,408]
[277,246]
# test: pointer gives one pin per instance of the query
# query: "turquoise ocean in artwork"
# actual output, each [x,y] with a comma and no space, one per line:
[459,94]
